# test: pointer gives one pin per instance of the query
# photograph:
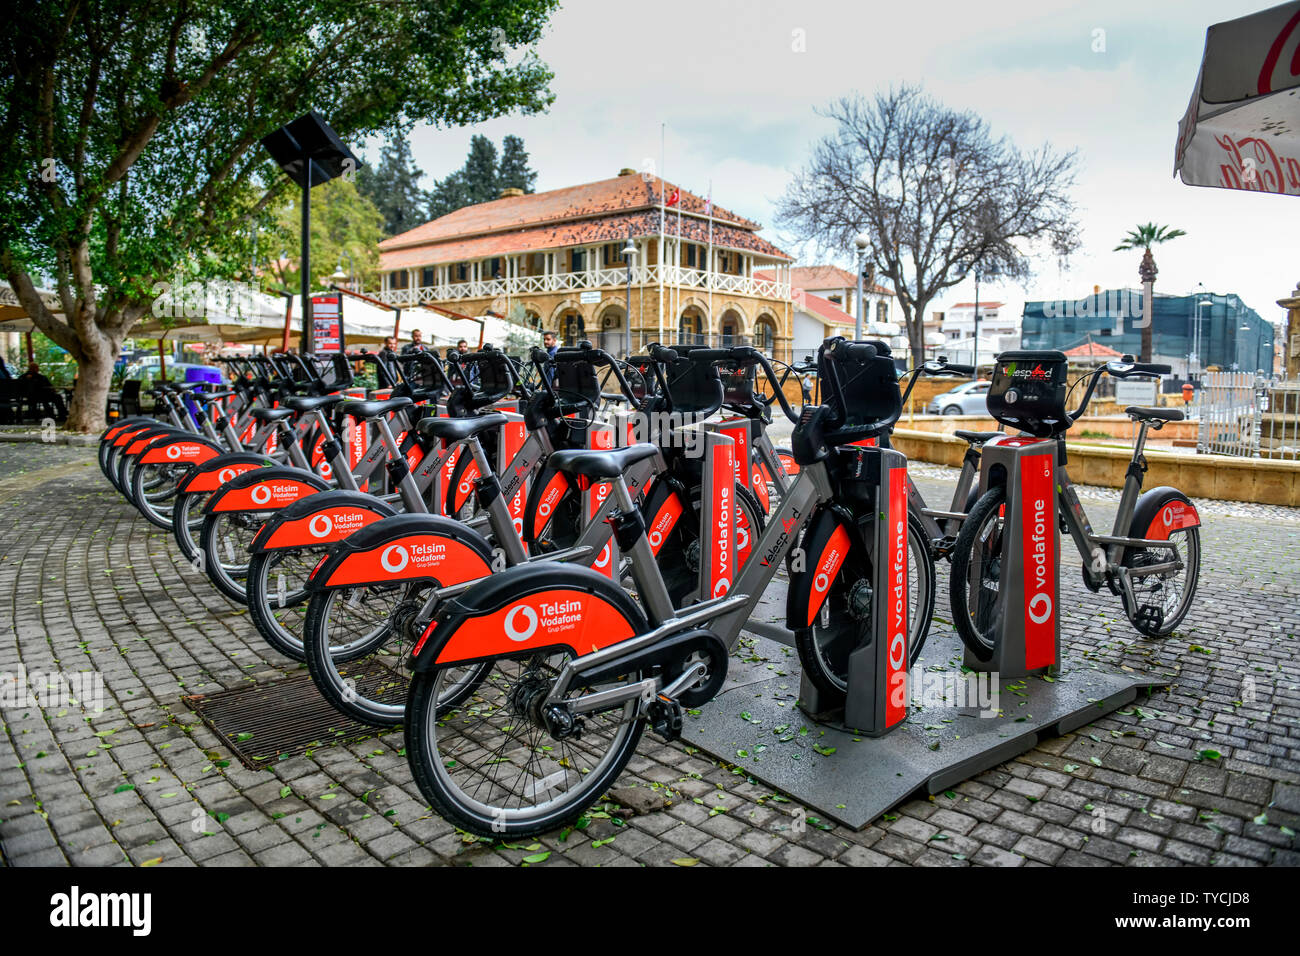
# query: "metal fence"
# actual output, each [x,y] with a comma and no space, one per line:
[1249,416]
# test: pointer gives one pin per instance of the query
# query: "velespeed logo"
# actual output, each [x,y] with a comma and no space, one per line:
[320,526]
[512,627]
[394,558]
[1035,374]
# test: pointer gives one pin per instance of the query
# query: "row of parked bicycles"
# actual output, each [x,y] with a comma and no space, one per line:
[503,554]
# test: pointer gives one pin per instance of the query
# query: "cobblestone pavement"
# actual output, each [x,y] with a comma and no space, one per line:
[1206,772]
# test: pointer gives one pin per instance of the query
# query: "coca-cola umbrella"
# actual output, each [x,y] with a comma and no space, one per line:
[1242,127]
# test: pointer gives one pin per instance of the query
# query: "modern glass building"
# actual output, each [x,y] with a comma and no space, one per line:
[1230,334]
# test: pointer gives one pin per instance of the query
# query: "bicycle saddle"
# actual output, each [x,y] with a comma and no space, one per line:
[366,409]
[458,429]
[272,414]
[601,464]
[976,438]
[1143,412]
[309,403]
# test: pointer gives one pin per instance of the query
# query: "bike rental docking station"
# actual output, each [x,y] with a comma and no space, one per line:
[897,734]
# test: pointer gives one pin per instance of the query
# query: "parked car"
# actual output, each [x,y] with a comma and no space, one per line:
[968,398]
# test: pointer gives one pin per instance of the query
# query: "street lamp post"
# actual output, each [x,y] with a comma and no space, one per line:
[863,242]
[629,253]
[1196,338]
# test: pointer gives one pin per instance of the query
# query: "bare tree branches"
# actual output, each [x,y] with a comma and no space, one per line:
[937,194]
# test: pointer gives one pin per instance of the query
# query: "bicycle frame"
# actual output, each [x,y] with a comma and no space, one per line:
[726,615]
[1107,550]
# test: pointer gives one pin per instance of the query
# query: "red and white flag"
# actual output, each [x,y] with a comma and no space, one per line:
[674,198]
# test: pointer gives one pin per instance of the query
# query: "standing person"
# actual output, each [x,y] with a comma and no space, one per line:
[550,343]
[416,344]
[462,346]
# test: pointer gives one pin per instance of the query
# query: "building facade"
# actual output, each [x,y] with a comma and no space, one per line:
[555,260]
[996,324]
[1187,334]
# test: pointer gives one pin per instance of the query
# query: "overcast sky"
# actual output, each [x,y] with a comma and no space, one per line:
[738,103]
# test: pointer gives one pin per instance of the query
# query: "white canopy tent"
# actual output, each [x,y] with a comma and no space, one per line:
[1242,126]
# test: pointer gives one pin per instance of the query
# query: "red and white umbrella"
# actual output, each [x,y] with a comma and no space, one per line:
[1242,127]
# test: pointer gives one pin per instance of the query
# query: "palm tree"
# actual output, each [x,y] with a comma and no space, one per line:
[1144,237]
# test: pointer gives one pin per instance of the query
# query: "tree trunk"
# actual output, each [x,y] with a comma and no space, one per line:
[87,412]
[1146,322]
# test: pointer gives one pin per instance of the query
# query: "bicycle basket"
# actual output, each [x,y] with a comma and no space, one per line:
[1028,392]
[865,391]
[693,387]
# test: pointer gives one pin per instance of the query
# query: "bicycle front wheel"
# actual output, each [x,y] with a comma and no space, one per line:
[976,579]
[844,621]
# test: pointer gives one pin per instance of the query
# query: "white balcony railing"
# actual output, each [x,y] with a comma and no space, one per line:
[516,286]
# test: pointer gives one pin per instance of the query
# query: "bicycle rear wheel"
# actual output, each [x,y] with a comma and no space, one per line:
[490,766]
[1164,599]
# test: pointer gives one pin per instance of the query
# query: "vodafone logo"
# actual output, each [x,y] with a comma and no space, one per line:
[394,558]
[603,560]
[1167,516]
[260,494]
[1039,608]
[320,526]
[173,452]
[722,587]
[656,538]
[325,470]
[512,629]
[225,474]
[821,582]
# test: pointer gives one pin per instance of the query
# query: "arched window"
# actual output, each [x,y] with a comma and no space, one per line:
[764,334]
[729,327]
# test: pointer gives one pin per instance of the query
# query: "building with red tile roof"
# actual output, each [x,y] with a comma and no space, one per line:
[554,260]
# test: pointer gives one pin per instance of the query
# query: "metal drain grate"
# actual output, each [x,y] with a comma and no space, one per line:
[268,722]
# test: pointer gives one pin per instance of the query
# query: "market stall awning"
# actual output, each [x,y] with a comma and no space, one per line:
[1242,126]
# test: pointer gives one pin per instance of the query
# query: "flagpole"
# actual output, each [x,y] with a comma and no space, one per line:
[677,272]
[661,232]
[708,263]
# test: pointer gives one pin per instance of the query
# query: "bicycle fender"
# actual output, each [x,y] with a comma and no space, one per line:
[215,472]
[174,450]
[405,547]
[112,431]
[125,434]
[319,519]
[663,510]
[265,489]
[139,441]
[825,545]
[1161,511]
[530,608]
[463,481]
[543,498]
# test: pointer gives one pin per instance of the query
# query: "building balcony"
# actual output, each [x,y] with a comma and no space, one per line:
[562,282]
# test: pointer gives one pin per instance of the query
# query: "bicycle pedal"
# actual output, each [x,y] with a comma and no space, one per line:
[665,716]
[1149,619]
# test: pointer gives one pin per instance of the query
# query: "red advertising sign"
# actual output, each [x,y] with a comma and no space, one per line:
[327,322]
[1038,523]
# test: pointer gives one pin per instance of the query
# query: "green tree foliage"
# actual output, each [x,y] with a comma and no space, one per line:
[342,221]
[483,176]
[514,171]
[132,133]
[394,186]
